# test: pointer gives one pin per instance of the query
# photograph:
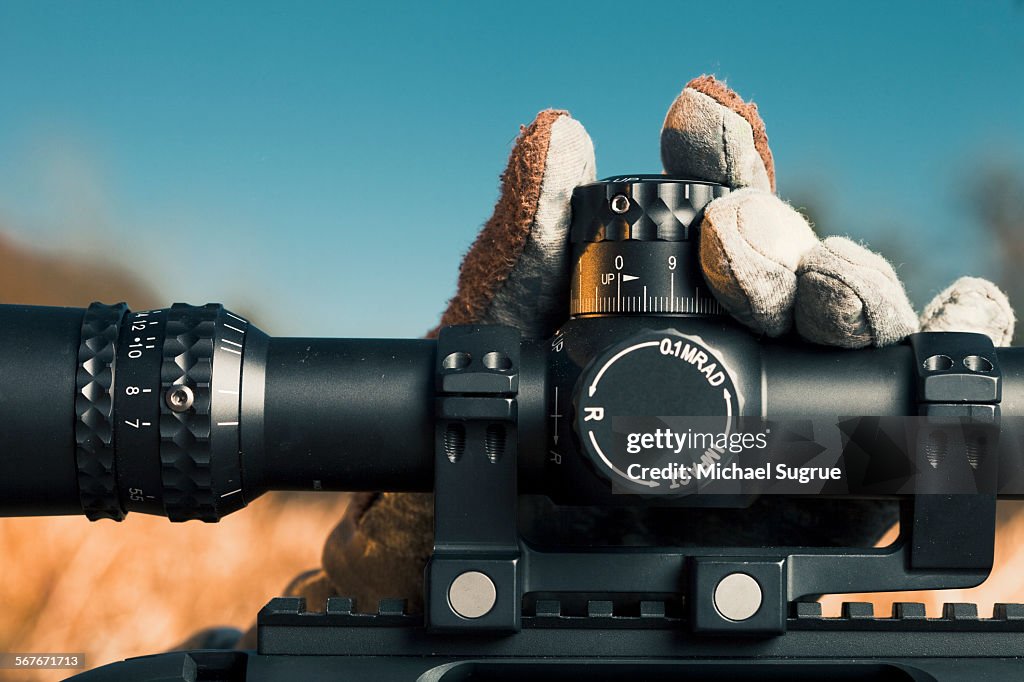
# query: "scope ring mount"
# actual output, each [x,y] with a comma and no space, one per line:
[946,540]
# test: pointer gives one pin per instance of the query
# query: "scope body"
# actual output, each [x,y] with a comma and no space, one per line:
[359,414]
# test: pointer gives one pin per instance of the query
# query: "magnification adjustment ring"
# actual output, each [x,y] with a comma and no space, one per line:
[94,405]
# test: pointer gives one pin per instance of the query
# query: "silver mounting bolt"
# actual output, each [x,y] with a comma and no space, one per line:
[472,595]
[179,398]
[738,596]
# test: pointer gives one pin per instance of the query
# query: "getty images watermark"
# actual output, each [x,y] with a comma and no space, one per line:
[812,455]
[711,465]
[42,661]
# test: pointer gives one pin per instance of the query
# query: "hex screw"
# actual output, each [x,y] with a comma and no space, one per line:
[620,203]
[179,398]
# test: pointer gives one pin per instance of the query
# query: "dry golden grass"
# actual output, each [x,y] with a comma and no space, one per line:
[116,590]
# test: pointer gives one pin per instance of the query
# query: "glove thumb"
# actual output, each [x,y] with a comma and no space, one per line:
[517,271]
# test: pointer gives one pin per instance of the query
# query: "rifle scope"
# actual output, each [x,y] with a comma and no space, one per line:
[192,412]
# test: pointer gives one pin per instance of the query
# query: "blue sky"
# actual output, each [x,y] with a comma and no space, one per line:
[327,164]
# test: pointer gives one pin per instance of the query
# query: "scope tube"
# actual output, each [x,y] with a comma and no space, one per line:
[331,414]
[301,414]
[822,381]
[38,365]
[191,412]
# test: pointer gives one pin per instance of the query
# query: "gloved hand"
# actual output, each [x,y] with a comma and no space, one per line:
[760,257]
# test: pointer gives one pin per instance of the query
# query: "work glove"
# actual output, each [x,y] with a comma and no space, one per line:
[760,257]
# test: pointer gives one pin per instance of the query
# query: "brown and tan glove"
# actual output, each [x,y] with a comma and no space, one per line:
[760,257]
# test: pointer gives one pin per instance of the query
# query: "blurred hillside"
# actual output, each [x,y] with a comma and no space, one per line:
[32,277]
[116,590]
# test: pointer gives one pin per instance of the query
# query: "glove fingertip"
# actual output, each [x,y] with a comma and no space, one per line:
[710,133]
[726,96]
[971,304]
[751,245]
[850,297]
[513,272]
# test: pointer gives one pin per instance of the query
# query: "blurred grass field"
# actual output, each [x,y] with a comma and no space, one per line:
[139,587]
[116,590]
